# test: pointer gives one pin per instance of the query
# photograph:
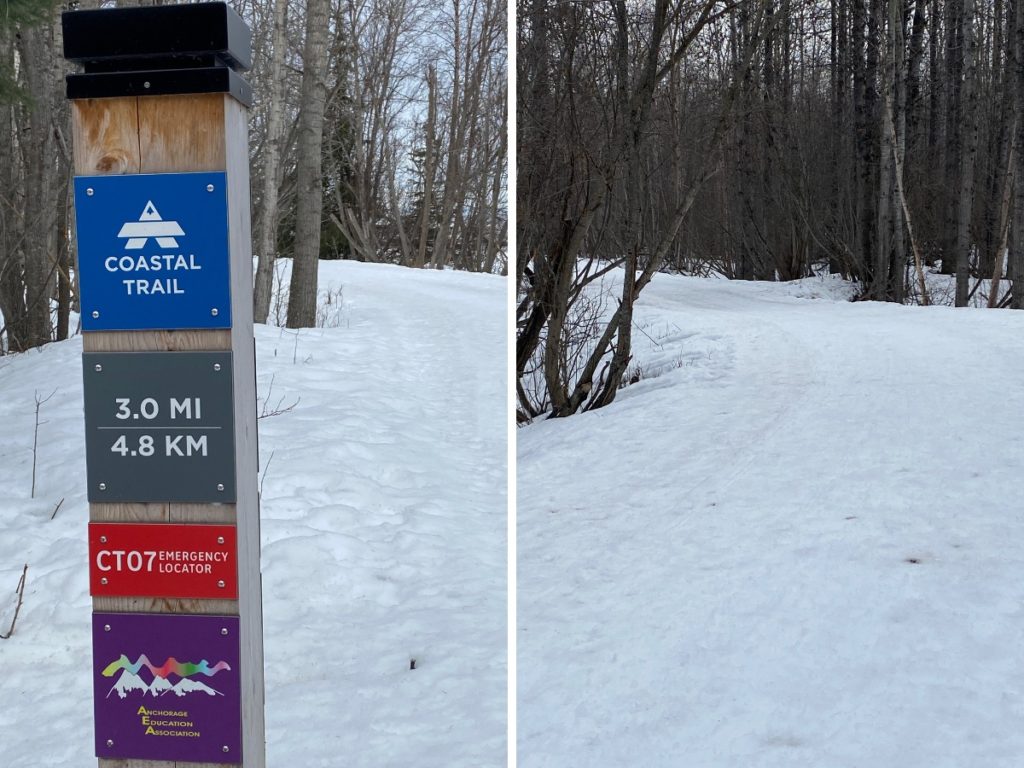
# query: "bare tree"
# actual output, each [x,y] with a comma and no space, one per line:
[309,201]
[968,129]
[266,230]
[429,165]
[337,136]
[611,63]
[1015,267]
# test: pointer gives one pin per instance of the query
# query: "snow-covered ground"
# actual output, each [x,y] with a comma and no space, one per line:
[799,542]
[384,521]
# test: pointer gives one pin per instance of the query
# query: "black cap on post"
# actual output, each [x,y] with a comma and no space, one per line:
[158,50]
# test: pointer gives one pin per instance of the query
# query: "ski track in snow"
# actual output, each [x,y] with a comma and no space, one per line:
[383,534]
[714,570]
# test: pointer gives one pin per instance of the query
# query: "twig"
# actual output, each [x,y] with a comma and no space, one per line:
[264,476]
[56,508]
[270,391]
[649,337]
[35,437]
[21,596]
[278,410]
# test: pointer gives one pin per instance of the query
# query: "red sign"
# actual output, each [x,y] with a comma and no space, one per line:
[162,560]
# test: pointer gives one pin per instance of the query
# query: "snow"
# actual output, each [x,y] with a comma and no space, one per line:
[795,542]
[383,525]
[942,289]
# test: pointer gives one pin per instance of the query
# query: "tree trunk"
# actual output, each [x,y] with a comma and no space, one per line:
[453,166]
[935,90]
[952,147]
[40,243]
[880,287]
[494,235]
[1003,226]
[396,209]
[1015,267]
[969,133]
[64,264]
[429,163]
[13,328]
[902,64]
[266,229]
[309,193]
[864,57]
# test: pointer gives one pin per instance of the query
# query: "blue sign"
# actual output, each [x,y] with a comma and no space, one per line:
[153,251]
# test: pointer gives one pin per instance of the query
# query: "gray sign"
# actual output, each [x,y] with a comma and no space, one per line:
[159,427]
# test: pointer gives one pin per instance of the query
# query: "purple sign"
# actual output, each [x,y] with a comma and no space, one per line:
[167,687]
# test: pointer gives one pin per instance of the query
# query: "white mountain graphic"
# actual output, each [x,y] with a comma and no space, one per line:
[128,682]
[150,224]
[186,686]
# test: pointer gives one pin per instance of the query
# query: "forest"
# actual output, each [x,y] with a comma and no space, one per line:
[759,140]
[378,133]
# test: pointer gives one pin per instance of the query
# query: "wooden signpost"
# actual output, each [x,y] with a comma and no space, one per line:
[160,115]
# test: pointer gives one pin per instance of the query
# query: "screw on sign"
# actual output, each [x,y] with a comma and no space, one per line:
[159,426]
[154,251]
[167,687]
[163,560]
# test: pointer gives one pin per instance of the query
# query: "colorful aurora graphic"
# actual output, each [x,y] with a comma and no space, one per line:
[131,681]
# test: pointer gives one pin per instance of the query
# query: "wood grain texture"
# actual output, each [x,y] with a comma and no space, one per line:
[182,133]
[164,605]
[106,136]
[157,341]
[162,513]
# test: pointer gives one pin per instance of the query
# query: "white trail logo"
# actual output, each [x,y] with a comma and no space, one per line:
[150,224]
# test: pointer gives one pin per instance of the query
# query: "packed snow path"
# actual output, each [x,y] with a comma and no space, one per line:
[801,545]
[383,525]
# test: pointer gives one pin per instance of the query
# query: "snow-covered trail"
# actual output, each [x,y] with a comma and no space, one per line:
[383,524]
[716,570]
[388,480]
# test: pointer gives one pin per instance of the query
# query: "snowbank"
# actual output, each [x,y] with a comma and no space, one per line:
[798,543]
[383,523]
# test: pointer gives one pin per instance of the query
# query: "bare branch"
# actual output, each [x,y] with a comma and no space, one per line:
[20,591]
[35,437]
